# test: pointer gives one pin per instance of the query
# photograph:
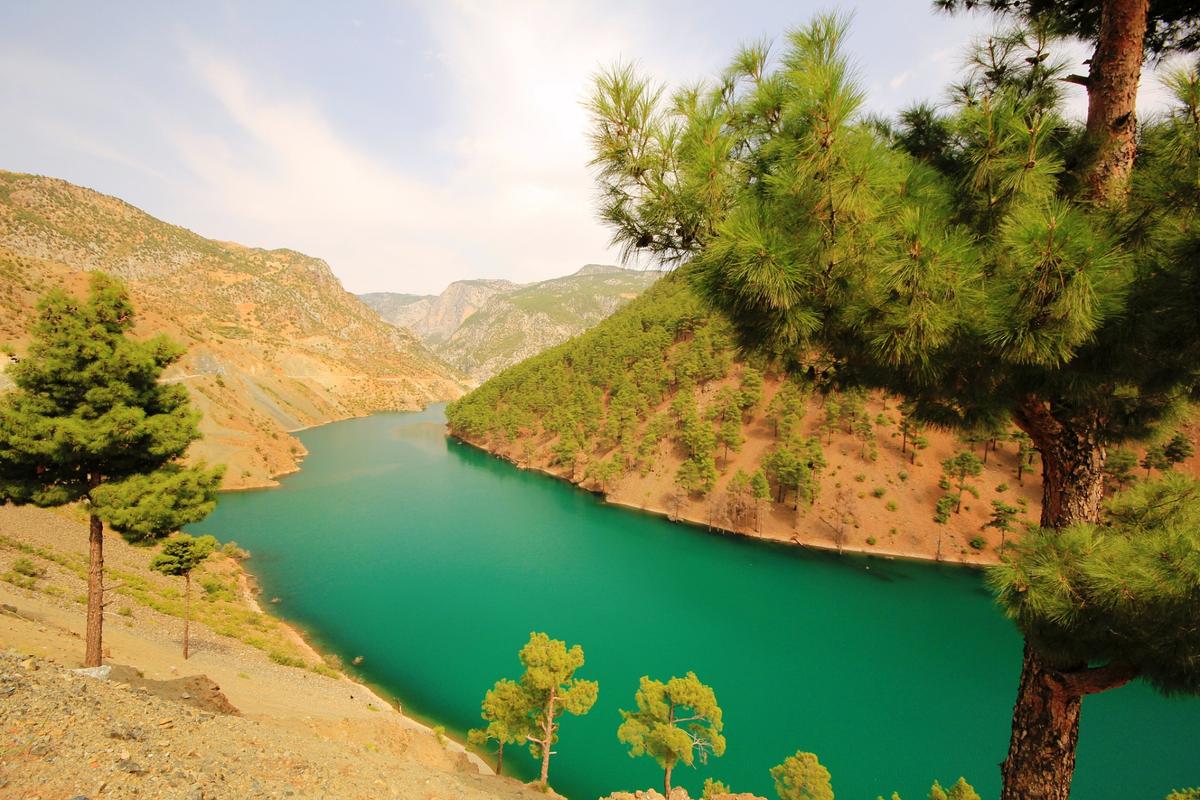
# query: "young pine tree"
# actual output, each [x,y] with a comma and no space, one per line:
[550,684]
[89,421]
[508,710]
[180,555]
[802,777]
[675,722]
[988,263]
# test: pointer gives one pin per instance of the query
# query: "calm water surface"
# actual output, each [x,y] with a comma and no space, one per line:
[434,561]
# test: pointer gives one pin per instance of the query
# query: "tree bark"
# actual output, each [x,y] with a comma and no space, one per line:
[500,759]
[548,733]
[667,780]
[94,653]
[1045,726]
[187,610]
[1112,86]
[1045,731]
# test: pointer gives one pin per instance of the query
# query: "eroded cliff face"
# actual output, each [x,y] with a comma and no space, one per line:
[274,342]
[481,327]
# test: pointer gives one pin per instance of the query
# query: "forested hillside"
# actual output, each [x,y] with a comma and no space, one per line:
[656,409]
[274,342]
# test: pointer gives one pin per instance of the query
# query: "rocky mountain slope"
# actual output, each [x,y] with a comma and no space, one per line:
[482,327]
[656,409]
[435,317]
[274,343]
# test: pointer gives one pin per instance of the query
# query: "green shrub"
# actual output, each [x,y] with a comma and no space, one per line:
[23,566]
[871,540]
[944,483]
[902,475]
[286,659]
[978,542]
[860,477]
[891,505]
[945,507]
[878,491]
[1002,487]
[23,581]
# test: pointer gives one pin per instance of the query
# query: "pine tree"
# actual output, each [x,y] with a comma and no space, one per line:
[801,777]
[89,421]
[675,722]
[508,710]
[1024,268]
[959,468]
[180,555]
[1118,467]
[549,682]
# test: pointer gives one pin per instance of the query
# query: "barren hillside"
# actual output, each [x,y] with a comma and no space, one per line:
[274,342]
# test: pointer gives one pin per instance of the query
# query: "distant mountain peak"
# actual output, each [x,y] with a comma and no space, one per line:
[599,269]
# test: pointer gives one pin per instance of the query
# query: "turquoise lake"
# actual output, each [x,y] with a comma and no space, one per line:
[433,561]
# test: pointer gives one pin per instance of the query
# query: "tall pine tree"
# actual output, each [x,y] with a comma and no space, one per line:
[89,421]
[989,263]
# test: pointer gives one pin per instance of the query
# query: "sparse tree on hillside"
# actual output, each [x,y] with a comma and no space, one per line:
[760,487]
[1155,458]
[959,468]
[675,722]
[1003,516]
[1118,468]
[89,421]
[750,391]
[550,683]
[1178,449]
[1016,266]
[508,710]
[180,555]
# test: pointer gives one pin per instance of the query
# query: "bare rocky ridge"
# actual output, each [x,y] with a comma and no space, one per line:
[435,317]
[275,343]
[482,326]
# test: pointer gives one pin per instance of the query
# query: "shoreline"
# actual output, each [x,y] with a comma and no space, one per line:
[703,526]
[247,585]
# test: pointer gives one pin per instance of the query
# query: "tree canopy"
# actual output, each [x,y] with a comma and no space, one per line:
[678,721]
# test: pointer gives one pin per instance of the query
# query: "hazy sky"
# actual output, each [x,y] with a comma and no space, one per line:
[407,143]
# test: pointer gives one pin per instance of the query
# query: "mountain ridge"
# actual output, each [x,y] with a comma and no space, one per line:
[274,342]
[482,326]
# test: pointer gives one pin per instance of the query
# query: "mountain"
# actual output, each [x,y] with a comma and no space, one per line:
[640,409]
[274,342]
[435,317]
[483,326]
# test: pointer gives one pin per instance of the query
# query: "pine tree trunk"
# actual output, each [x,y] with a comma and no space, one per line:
[1045,727]
[187,610]
[94,654]
[1045,731]
[548,732]
[500,759]
[667,780]
[1112,86]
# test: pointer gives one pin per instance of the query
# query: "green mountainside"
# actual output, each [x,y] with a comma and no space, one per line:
[481,327]
[655,408]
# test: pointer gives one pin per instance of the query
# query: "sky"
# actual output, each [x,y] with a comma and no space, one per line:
[409,144]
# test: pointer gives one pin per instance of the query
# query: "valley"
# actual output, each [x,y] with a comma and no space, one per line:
[482,327]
